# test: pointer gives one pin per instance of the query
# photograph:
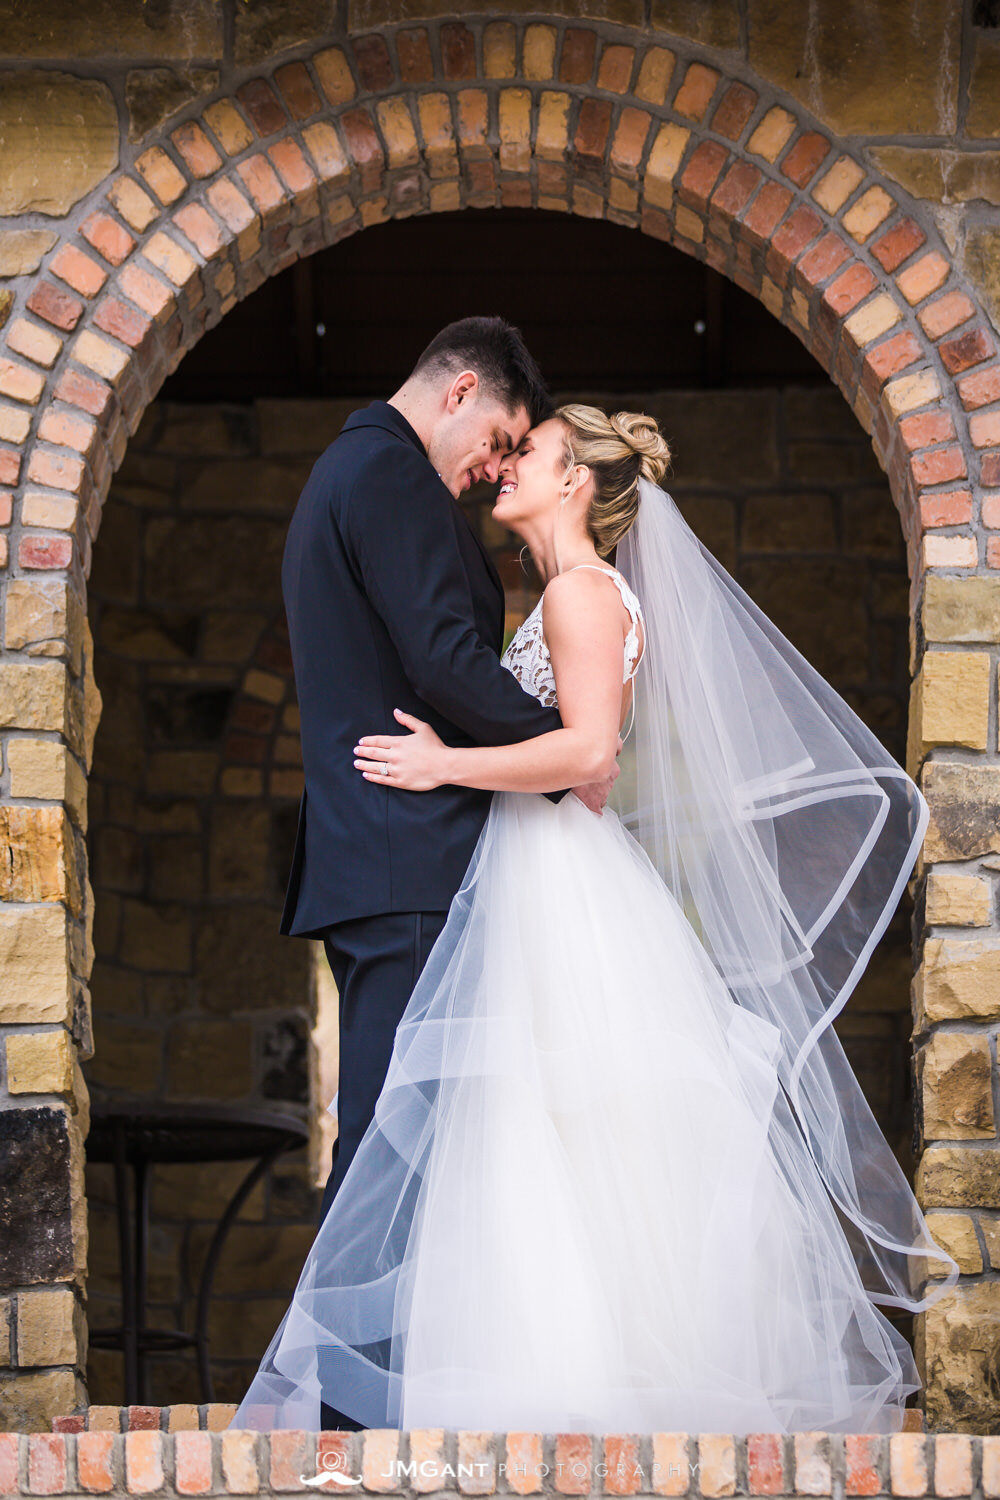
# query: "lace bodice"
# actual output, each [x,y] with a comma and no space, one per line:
[527,656]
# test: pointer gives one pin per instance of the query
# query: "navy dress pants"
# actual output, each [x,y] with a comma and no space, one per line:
[375,962]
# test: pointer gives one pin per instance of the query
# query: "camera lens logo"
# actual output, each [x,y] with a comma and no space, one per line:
[330,1474]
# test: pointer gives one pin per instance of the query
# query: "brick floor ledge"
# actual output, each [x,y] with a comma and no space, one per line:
[204,1458]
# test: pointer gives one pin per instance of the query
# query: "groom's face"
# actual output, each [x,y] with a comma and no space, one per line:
[473,435]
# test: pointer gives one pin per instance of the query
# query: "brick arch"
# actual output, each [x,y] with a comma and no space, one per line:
[596,121]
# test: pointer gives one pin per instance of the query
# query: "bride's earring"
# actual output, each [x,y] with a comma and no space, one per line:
[521,558]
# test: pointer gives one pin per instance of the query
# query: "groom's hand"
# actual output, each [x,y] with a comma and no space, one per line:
[594,794]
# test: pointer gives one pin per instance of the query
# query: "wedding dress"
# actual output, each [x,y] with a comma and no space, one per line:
[586,1201]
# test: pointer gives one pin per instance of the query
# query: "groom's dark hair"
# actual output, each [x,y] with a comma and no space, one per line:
[497,352]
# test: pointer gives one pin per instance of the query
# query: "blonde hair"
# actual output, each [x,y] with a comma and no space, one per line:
[619,451]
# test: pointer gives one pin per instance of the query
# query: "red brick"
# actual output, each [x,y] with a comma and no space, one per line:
[122,322]
[579,49]
[66,429]
[261,104]
[414,53]
[938,466]
[70,1422]
[374,65]
[515,194]
[51,552]
[736,188]
[231,205]
[993,552]
[621,1459]
[888,358]
[8,1463]
[200,228]
[297,91]
[718,254]
[10,465]
[6,513]
[38,344]
[193,1459]
[551,179]
[573,1463]
[296,172]
[289,1458]
[791,238]
[84,391]
[804,156]
[458,52]
[108,237]
[55,306]
[161,174]
[897,244]
[980,389]
[46,1454]
[151,295]
[197,151]
[615,72]
[925,429]
[989,469]
[821,260]
[702,172]
[984,429]
[56,471]
[78,270]
[261,183]
[733,111]
[630,141]
[849,288]
[695,93]
[142,1419]
[361,139]
[861,1452]
[592,132]
[765,1469]
[765,212]
[143,1460]
[94,1461]
[948,508]
[969,349]
[944,314]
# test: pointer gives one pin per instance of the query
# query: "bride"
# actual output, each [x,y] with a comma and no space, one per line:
[621,1176]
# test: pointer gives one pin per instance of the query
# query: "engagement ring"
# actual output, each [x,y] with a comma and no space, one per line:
[385,768]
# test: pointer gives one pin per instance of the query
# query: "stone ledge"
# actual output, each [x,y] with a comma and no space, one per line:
[436,1461]
[216,1416]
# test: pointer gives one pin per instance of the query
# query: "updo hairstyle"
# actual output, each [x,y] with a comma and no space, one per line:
[618,450]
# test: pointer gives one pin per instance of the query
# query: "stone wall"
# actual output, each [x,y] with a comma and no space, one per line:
[161,161]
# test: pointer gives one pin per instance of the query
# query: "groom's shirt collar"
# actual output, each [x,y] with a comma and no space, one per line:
[381,414]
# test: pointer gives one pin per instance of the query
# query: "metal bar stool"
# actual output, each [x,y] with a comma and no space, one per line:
[139,1135]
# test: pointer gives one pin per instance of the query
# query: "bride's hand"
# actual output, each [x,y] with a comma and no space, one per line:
[415,761]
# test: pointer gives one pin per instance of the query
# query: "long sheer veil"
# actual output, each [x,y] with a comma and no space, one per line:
[787,833]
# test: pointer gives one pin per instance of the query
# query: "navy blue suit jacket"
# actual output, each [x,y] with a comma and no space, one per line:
[392,602]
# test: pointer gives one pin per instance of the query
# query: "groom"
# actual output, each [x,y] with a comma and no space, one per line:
[392,602]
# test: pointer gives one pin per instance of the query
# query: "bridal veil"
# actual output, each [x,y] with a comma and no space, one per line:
[787,833]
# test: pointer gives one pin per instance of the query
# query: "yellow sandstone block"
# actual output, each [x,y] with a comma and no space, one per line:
[40,1062]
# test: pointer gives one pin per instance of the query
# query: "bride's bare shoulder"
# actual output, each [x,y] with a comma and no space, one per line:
[578,595]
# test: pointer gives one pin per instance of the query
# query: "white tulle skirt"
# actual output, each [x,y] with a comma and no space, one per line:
[583,1203]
